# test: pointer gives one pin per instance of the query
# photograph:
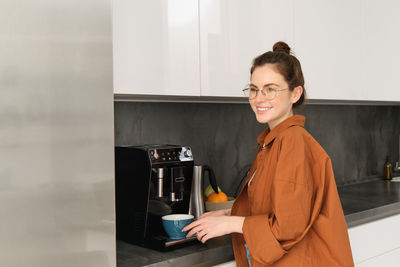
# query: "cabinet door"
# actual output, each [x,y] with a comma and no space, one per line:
[327,37]
[156,47]
[374,238]
[381,53]
[390,259]
[226,264]
[232,33]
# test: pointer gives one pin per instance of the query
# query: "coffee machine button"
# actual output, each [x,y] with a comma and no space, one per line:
[169,158]
[187,153]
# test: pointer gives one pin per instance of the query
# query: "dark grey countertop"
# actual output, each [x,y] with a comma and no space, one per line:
[369,201]
[361,203]
[215,251]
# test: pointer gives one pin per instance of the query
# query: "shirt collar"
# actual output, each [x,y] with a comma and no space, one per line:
[269,135]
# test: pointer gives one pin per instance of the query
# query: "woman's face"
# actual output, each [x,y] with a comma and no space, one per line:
[272,111]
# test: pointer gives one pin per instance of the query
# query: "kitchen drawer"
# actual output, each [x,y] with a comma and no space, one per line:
[390,259]
[226,264]
[375,238]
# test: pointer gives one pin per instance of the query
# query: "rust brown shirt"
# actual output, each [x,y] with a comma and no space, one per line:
[293,214]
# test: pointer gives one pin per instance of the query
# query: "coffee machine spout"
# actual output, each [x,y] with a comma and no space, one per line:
[160,182]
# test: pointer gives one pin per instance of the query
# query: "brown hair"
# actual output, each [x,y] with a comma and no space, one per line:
[287,64]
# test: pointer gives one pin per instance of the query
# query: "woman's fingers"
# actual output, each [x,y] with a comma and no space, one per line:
[194,230]
[190,226]
[214,213]
[205,238]
[209,227]
[204,215]
[200,235]
[204,235]
[207,214]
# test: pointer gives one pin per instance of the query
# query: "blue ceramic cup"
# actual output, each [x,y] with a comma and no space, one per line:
[174,223]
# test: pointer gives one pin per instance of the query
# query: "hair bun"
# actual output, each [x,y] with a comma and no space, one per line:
[281,47]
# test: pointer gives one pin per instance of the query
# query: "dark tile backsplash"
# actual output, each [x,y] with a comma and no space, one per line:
[357,138]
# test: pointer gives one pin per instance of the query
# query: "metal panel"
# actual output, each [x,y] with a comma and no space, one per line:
[56,134]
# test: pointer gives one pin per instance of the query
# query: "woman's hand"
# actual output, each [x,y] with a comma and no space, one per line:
[226,212]
[213,224]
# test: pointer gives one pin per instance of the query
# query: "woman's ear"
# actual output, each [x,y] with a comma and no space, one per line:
[296,94]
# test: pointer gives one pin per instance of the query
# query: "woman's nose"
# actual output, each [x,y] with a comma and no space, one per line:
[259,97]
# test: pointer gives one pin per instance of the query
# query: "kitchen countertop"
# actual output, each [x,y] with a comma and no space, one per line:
[215,251]
[369,201]
[361,203]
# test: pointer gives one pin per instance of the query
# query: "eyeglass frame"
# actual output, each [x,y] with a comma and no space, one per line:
[263,92]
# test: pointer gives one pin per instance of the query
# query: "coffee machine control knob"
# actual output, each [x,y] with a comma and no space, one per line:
[187,153]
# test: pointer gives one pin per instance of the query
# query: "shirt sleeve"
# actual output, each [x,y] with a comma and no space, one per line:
[270,236]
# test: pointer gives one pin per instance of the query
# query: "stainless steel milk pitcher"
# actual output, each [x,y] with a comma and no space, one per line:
[196,207]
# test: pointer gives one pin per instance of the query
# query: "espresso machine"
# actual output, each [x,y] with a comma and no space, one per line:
[151,181]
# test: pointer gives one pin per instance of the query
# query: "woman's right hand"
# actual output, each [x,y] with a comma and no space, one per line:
[226,212]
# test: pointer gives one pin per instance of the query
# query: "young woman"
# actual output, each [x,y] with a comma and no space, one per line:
[288,212]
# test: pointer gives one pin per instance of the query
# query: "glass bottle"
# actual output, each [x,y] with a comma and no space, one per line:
[387,169]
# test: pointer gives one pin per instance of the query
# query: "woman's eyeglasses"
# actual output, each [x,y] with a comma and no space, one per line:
[267,92]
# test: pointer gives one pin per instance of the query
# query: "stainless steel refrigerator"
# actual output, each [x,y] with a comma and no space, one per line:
[56,134]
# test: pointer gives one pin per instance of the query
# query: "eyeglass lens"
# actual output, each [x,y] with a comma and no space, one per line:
[266,93]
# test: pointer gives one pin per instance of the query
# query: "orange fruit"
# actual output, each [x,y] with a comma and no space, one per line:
[220,197]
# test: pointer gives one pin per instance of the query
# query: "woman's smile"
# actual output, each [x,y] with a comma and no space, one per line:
[263,110]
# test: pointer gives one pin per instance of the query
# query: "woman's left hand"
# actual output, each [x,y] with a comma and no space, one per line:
[213,226]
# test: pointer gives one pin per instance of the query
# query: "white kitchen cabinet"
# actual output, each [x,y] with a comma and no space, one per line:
[376,242]
[348,49]
[380,49]
[156,47]
[232,33]
[226,264]
[327,37]
[390,259]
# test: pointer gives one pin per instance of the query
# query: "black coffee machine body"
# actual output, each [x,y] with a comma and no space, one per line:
[151,181]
